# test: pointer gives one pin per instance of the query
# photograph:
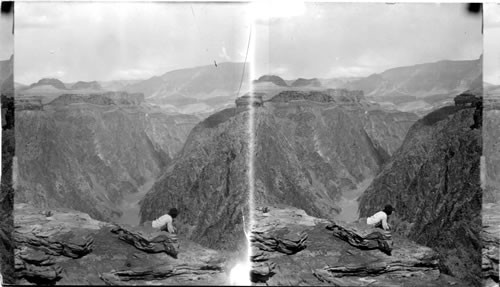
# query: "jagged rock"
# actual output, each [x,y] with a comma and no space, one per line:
[262,271]
[362,236]
[42,241]
[281,241]
[159,273]
[111,259]
[331,260]
[149,242]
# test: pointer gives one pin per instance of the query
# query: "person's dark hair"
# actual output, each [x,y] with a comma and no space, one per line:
[173,212]
[388,209]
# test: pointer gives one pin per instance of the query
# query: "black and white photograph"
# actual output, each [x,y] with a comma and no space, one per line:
[260,143]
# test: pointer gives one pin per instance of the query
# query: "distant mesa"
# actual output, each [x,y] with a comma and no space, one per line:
[246,100]
[101,99]
[50,82]
[301,82]
[81,85]
[326,96]
[273,79]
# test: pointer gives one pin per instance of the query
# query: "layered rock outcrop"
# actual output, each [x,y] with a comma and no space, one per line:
[327,96]
[63,246]
[433,181]
[314,256]
[101,99]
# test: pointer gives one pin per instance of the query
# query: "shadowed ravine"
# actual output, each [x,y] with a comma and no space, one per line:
[130,205]
[349,201]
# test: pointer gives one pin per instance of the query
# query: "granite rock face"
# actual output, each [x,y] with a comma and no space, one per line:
[320,258]
[86,152]
[67,247]
[433,181]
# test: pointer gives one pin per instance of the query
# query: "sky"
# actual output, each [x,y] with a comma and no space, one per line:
[123,41]
[357,39]
[113,41]
[491,68]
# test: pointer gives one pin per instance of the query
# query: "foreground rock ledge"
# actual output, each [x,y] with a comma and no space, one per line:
[320,258]
[62,246]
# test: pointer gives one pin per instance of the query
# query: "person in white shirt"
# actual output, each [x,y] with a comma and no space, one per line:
[165,222]
[379,219]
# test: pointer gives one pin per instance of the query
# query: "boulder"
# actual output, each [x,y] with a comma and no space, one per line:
[151,242]
[363,236]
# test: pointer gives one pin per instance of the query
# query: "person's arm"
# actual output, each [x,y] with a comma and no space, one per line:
[170,226]
[384,222]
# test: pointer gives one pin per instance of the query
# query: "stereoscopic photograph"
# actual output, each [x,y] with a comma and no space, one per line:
[250,143]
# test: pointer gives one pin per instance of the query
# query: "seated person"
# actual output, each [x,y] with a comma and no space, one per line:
[379,219]
[165,222]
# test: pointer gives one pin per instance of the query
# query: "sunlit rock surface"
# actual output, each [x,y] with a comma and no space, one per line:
[301,251]
[68,247]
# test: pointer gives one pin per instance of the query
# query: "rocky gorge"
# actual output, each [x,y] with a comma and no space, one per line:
[86,152]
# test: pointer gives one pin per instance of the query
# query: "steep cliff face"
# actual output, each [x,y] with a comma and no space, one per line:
[87,157]
[6,190]
[306,153]
[433,182]
[208,182]
[309,153]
